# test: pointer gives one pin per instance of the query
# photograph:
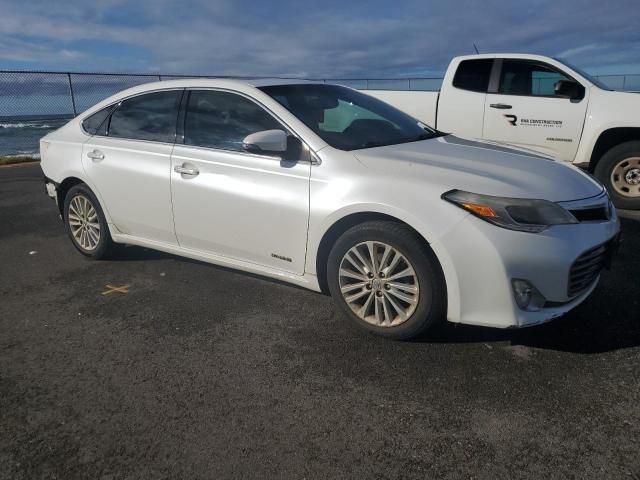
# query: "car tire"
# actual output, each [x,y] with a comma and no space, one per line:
[86,224]
[619,171]
[399,307]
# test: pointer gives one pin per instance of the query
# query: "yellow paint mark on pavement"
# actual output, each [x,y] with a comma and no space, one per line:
[112,289]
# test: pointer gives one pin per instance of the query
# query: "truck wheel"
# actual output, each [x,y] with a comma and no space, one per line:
[619,171]
[387,280]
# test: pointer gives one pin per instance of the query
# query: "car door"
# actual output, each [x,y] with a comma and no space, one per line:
[243,206]
[522,109]
[128,161]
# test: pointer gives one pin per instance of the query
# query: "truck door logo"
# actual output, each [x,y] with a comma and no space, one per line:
[512,119]
[532,122]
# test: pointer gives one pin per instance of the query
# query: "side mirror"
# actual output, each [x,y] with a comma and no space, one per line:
[568,89]
[266,142]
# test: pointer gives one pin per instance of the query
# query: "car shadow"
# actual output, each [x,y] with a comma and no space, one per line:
[134,253]
[608,320]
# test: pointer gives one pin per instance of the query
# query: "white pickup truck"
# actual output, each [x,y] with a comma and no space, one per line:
[541,104]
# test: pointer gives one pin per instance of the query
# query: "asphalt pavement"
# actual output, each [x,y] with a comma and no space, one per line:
[187,370]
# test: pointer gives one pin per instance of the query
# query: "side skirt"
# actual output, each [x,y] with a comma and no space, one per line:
[307,280]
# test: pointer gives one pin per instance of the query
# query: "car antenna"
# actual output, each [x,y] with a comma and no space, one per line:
[476,49]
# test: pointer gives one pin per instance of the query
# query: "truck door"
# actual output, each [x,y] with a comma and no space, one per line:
[462,98]
[521,109]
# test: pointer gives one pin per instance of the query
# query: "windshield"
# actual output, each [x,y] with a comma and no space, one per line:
[591,78]
[347,119]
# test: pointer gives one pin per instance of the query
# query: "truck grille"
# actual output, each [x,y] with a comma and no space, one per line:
[587,267]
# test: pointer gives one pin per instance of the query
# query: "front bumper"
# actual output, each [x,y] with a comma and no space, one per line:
[480,260]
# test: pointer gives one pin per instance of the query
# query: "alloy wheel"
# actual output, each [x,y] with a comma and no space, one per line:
[83,222]
[379,284]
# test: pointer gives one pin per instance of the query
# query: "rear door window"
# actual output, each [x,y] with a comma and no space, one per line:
[222,120]
[150,117]
[473,75]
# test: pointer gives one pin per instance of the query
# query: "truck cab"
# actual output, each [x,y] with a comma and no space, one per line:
[541,104]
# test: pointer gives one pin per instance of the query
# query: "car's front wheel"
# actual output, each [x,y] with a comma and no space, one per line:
[86,223]
[387,279]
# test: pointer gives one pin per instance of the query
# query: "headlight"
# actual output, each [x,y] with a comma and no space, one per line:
[513,213]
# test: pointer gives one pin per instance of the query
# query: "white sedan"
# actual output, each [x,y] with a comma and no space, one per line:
[328,188]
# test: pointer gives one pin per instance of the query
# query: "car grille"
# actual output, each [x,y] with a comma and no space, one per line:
[587,267]
[593,209]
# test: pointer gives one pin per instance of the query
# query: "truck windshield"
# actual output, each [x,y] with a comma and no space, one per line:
[347,119]
[591,78]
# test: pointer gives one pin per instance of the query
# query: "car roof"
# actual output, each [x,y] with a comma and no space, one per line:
[226,82]
[240,85]
[268,82]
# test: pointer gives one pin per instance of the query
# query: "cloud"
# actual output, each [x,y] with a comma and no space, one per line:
[572,52]
[25,51]
[301,38]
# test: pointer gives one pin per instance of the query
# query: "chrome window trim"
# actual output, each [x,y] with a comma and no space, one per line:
[314,159]
[237,152]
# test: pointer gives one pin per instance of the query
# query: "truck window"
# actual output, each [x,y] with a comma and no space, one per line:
[521,77]
[473,75]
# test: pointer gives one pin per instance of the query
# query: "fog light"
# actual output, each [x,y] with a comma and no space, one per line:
[527,296]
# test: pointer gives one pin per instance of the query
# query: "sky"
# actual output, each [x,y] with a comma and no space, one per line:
[299,38]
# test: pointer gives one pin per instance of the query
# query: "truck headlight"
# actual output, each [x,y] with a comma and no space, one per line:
[519,214]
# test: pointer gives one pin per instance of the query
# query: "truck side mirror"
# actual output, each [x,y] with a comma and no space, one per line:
[568,89]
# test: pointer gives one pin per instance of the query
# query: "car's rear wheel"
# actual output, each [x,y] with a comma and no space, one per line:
[387,279]
[619,171]
[86,223]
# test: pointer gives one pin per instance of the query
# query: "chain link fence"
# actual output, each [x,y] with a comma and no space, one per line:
[34,102]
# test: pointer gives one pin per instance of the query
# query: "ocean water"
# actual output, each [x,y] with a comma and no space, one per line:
[21,136]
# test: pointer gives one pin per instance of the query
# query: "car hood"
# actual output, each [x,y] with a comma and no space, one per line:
[484,168]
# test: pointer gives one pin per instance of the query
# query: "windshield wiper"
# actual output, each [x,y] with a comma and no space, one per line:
[423,136]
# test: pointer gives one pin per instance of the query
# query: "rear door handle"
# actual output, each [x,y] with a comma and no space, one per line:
[95,155]
[181,169]
[500,106]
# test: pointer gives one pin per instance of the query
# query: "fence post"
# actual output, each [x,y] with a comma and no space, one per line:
[73,99]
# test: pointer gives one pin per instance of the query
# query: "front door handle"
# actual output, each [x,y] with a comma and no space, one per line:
[500,106]
[181,169]
[95,155]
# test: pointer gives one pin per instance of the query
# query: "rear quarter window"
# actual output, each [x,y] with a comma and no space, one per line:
[95,124]
[473,75]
